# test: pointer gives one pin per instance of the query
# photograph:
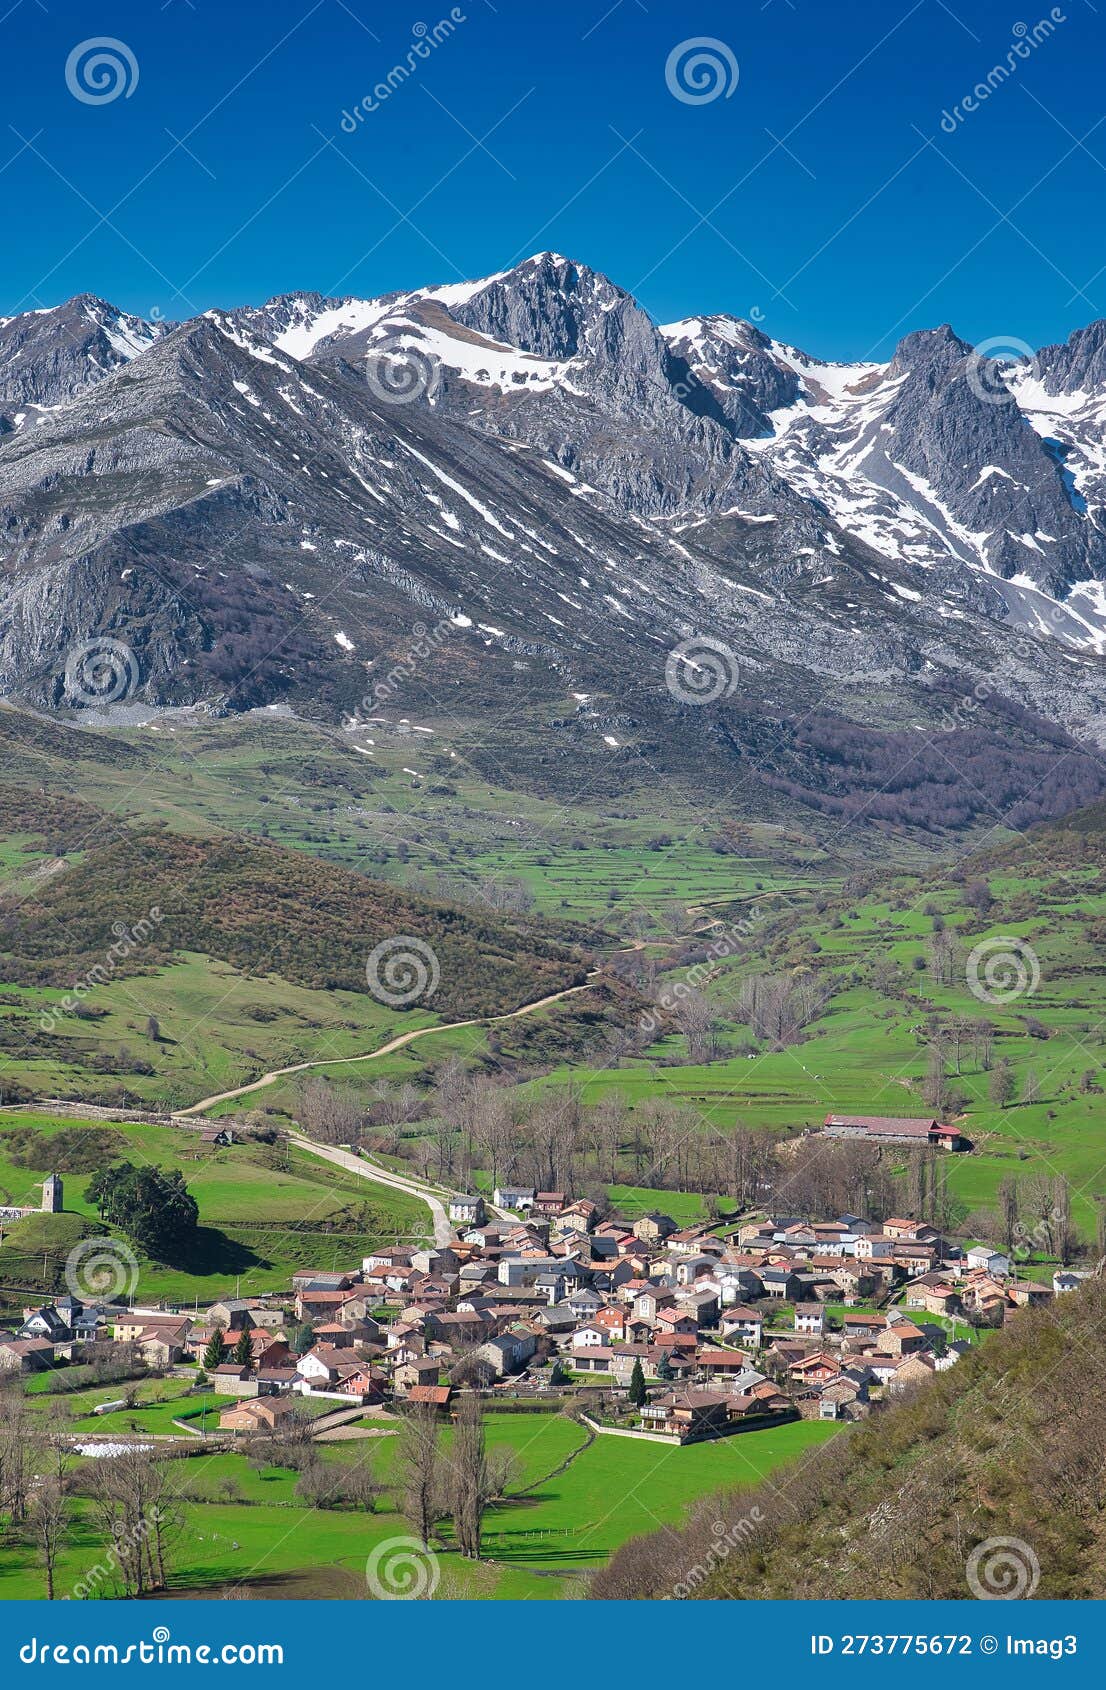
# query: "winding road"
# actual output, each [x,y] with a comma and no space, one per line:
[443,1230]
[366,1169]
[381,1050]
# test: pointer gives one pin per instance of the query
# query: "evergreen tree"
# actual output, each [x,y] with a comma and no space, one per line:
[213,1355]
[243,1352]
[638,1394]
[155,1208]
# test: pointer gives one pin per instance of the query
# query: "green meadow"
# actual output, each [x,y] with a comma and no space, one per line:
[571,1503]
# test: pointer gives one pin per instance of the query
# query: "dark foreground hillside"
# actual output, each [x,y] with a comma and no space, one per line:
[1008,1444]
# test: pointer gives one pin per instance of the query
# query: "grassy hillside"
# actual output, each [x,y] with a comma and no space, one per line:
[217,1028]
[265,1211]
[409,806]
[143,963]
[1007,1444]
[269,911]
[887,965]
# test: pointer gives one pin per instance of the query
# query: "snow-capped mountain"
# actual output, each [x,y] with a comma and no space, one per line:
[49,356]
[262,503]
[932,459]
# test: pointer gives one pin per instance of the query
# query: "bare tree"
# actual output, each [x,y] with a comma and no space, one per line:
[419,1467]
[17,1446]
[934,1089]
[607,1128]
[49,1516]
[747,1159]
[1002,1086]
[476,1478]
[942,957]
[698,1023]
[1008,1206]
[332,1114]
[362,1487]
[488,1123]
[469,1470]
[983,1040]
[138,1512]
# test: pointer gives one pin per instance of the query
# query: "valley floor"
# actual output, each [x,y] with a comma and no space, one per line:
[583,1499]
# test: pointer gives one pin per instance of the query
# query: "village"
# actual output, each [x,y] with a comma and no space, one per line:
[680,1334]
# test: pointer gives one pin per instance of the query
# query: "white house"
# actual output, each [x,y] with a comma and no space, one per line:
[518,1197]
[744,1326]
[991,1261]
[467,1211]
[810,1317]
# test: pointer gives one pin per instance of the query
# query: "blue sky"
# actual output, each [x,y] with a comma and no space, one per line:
[821,194]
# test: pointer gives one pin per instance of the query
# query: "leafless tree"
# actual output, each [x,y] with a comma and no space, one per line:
[329,1113]
[138,1512]
[17,1449]
[476,1478]
[488,1123]
[698,1022]
[607,1129]
[362,1486]
[49,1516]
[747,1159]
[1008,1207]
[983,1041]
[942,957]
[469,1476]
[419,1468]
[935,1088]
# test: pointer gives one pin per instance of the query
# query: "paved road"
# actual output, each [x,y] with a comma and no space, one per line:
[443,1231]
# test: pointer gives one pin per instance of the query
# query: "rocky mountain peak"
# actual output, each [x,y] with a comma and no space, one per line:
[937,350]
[1077,365]
[48,356]
[549,306]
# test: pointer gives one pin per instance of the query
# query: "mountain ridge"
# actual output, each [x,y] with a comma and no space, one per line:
[261,504]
